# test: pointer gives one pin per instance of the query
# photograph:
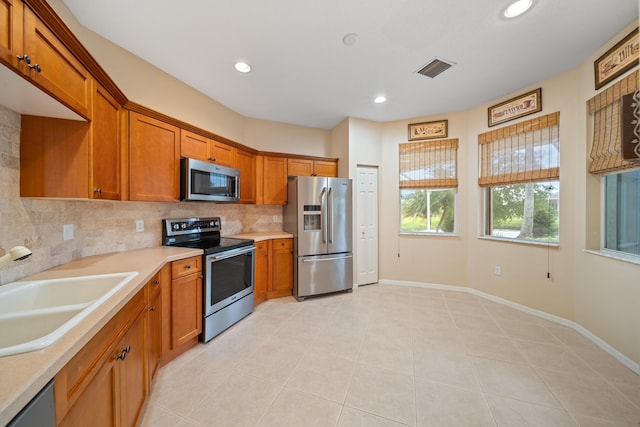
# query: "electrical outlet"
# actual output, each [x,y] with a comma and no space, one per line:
[139,225]
[67,232]
[497,270]
[276,219]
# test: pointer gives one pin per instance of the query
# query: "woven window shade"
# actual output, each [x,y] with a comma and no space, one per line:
[528,151]
[429,164]
[606,151]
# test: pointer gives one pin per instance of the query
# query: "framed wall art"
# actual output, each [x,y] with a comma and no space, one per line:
[520,106]
[617,60]
[429,130]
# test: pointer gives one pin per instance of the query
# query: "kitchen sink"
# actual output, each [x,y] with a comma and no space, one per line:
[35,314]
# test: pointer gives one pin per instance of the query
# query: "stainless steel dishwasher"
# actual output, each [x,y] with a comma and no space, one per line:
[40,412]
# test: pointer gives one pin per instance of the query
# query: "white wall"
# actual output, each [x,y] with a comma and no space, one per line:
[284,138]
[433,259]
[601,294]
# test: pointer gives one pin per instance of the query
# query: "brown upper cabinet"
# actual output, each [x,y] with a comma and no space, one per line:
[246,164]
[105,149]
[199,147]
[271,180]
[154,159]
[306,167]
[69,158]
[30,48]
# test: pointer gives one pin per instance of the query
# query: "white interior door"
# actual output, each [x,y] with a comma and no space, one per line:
[367,255]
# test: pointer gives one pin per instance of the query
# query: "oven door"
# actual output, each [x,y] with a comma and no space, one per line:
[228,277]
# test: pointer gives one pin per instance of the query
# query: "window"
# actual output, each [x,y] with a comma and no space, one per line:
[428,186]
[520,171]
[622,212]
[620,177]
[524,211]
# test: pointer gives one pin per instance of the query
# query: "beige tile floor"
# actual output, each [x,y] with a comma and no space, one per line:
[395,356]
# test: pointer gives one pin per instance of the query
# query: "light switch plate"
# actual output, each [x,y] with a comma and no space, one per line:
[139,225]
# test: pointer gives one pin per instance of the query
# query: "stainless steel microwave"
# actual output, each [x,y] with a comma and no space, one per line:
[203,181]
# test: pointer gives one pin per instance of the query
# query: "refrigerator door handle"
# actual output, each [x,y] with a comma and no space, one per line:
[323,215]
[330,214]
[327,259]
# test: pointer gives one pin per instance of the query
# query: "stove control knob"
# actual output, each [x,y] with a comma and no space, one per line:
[176,227]
[212,224]
[184,226]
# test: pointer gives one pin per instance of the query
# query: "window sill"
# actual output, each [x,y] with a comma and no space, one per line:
[630,258]
[521,242]
[426,234]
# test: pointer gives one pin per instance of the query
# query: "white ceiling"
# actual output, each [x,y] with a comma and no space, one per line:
[303,74]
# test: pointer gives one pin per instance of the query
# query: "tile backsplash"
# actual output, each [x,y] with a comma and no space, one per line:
[99,226]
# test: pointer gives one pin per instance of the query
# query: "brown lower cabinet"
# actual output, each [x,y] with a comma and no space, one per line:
[273,269]
[261,275]
[107,382]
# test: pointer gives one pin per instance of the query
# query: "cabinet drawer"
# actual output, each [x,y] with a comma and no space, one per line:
[282,243]
[186,266]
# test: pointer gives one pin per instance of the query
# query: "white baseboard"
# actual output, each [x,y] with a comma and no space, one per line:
[635,367]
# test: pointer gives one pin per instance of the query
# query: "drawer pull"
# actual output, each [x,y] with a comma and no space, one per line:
[153,308]
[188,266]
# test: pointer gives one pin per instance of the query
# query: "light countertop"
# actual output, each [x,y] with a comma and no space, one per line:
[259,236]
[23,375]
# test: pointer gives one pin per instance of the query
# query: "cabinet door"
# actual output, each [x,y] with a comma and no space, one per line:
[61,74]
[194,146]
[282,268]
[54,157]
[222,154]
[325,168]
[10,31]
[261,279]
[275,180]
[299,167]
[186,308]
[97,407]
[105,146]
[154,333]
[132,372]
[154,160]
[246,164]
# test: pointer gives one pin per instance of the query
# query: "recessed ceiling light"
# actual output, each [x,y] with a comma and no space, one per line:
[243,67]
[380,99]
[517,8]
[350,39]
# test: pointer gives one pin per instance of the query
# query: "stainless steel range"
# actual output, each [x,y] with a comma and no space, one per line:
[228,270]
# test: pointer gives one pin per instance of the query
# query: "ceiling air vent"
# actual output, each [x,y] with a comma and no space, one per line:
[434,68]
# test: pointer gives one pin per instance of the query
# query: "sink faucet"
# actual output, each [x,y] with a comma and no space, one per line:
[16,253]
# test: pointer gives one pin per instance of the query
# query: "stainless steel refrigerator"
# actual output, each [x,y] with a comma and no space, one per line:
[318,214]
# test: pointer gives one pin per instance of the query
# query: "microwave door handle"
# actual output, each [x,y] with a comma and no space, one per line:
[323,215]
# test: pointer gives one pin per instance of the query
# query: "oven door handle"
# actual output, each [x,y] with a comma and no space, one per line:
[230,254]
